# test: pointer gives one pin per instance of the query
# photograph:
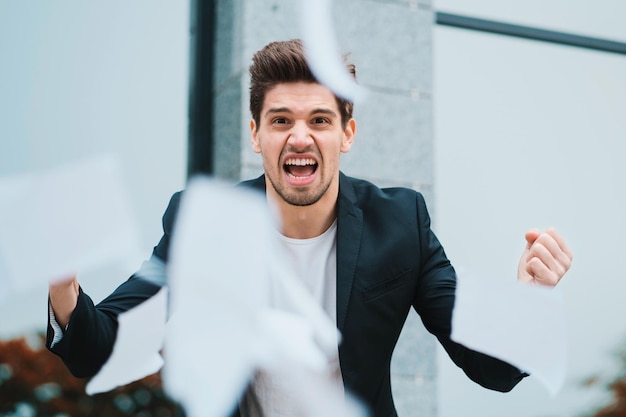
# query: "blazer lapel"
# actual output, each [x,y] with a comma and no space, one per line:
[349,231]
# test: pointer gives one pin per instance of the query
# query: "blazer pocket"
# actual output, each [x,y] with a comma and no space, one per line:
[382,288]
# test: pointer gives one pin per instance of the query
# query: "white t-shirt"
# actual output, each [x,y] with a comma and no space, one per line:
[313,262]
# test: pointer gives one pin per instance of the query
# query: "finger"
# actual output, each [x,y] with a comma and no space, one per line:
[531,236]
[541,273]
[540,251]
[561,242]
[548,241]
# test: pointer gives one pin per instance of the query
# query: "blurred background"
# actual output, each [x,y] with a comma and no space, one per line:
[500,133]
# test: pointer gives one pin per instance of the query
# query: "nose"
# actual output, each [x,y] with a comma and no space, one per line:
[300,136]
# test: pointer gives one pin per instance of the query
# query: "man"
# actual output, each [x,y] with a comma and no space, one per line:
[375,253]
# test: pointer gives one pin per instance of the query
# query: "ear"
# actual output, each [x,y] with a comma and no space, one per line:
[254,137]
[348,136]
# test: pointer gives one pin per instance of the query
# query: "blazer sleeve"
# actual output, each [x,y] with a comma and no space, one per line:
[434,303]
[90,335]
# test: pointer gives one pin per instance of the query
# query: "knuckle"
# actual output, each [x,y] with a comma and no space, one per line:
[567,265]
[551,281]
[534,264]
[535,249]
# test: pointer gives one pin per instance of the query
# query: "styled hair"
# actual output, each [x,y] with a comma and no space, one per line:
[285,62]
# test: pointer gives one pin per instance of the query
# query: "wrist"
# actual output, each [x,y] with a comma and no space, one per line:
[63,299]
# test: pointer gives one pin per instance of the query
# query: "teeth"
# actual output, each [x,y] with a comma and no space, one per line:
[297,177]
[300,162]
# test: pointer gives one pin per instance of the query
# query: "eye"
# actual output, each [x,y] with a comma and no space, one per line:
[279,121]
[321,120]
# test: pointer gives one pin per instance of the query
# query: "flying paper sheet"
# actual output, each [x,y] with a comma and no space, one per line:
[140,336]
[218,280]
[287,337]
[519,323]
[322,49]
[57,222]
[297,370]
[289,296]
[234,313]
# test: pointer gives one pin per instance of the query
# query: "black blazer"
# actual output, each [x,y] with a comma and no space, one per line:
[388,260]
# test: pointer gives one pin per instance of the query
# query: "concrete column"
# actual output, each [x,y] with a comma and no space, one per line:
[391,44]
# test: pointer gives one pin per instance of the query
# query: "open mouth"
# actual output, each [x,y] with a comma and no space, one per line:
[300,168]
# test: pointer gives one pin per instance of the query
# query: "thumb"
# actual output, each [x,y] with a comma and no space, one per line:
[531,236]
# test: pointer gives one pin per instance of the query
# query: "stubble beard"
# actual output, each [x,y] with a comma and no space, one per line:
[300,197]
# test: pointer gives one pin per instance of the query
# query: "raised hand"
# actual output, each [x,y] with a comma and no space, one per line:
[545,259]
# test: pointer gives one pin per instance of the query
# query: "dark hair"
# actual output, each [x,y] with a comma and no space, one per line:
[284,62]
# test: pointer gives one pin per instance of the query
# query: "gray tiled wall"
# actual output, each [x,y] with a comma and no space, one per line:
[390,42]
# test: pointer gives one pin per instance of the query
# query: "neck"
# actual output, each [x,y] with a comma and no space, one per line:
[305,222]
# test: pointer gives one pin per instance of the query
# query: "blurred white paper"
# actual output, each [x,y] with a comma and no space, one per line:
[288,338]
[140,337]
[322,49]
[521,324]
[63,220]
[290,296]
[218,278]
[235,314]
[297,371]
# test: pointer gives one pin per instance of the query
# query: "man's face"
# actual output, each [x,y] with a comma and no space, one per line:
[300,138]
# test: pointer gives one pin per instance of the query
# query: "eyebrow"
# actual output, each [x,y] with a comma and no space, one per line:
[319,110]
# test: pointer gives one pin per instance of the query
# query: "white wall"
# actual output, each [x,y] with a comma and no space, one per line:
[597,18]
[529,134]
[81,78]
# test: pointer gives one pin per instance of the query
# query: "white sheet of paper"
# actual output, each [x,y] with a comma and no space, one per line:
[57,222]
[289,338]
[519,323]
[233,312]
[323,53]
[140,337]
[296,369]
[290,296]
[218,280]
